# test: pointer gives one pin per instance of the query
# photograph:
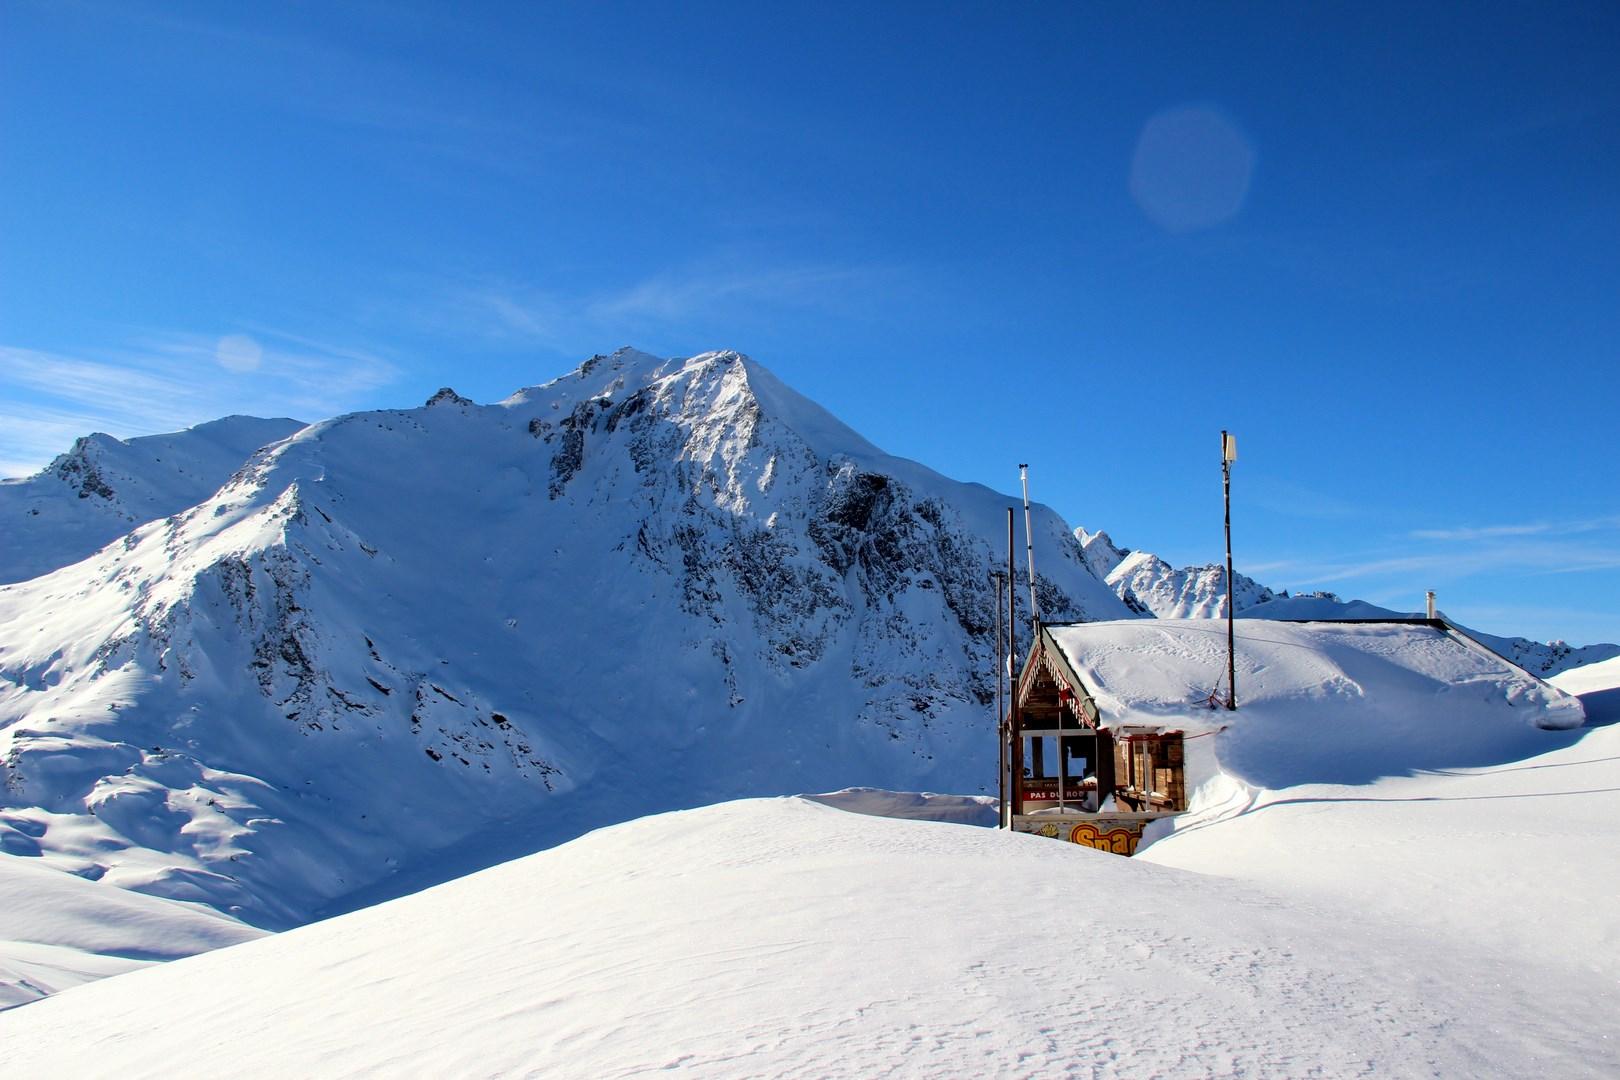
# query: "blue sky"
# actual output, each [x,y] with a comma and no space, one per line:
[1380,244]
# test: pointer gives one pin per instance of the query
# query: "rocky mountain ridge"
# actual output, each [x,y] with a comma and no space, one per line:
[103,487]
[646,584]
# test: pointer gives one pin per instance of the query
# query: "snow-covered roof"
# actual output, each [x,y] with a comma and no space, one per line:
[1162,672]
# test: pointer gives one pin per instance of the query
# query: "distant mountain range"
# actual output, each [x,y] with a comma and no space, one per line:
[1148,584]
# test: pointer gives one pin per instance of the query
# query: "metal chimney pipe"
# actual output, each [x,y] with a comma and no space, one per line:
[1029,547]
[1430,597]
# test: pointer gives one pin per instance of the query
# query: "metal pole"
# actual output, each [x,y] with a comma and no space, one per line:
[1014,720]
[1063,766]
[1029,545]
[1001,710]
[1231,593]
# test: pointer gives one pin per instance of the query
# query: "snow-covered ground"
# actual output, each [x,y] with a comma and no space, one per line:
[786,938]
[913,805]
[59,930]
[1597,684]
[1439,921]
[1515,865]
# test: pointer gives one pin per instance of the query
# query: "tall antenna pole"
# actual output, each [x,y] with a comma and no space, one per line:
[1229,455]
[1015,768]
[1012,596]
[1029,546]
[1001,706]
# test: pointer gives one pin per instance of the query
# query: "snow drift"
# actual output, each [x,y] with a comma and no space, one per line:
[1319,702]
[785,938]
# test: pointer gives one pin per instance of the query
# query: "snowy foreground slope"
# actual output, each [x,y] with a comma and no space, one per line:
[59,930]
[785,938]
[1443,919]
[103,487]
[646,585]
[1516,864]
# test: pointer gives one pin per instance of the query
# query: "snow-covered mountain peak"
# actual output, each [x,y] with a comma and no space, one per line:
[1102,554]
[722,385]
[649,583]
[599,375]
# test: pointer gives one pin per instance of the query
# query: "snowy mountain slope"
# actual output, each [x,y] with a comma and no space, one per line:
[59,930]
[1598,687]
[103,487]
[1546,658]
[1590,678]
[786,938]
[1146,583]
[1100,551]
[645,585]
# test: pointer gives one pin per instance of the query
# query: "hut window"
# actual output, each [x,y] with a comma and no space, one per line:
[1036,769]
[1151,772]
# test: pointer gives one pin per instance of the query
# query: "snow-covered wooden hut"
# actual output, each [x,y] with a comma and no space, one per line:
[1115,724]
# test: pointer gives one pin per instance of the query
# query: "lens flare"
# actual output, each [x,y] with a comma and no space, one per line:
[1191,169]
[238,353]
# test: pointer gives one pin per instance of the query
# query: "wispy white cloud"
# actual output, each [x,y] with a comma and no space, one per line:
[1475,568]
[1539,528]
[723,291]
[167,381]
[1451,561]
[1526,548]
[678,295]
[1481,533]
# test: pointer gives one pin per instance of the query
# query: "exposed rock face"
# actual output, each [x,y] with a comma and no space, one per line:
[1149,585]
[644,585]
[1147,582]
[1101,553]
[446,396]
[79,471]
